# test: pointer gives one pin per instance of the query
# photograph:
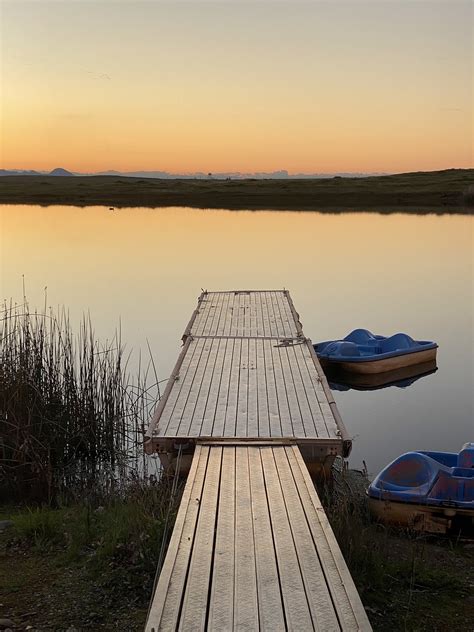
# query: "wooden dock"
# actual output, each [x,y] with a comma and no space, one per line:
[247,371]
[252,548]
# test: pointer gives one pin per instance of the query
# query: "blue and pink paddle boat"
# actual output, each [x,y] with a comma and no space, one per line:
[426,491]
[364,352]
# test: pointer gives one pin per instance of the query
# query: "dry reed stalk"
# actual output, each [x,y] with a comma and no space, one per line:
[71,417]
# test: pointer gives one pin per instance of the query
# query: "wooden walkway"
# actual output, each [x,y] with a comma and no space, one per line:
[247,371]
[252,548]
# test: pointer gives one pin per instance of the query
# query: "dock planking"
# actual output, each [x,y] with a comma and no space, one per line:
[245,313]
[252,549]
[247,371]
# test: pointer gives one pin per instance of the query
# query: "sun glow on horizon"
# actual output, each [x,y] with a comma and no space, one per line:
[218,87]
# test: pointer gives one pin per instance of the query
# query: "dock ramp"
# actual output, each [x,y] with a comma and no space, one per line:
[252,549]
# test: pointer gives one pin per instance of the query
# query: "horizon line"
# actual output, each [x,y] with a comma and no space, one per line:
[280,173]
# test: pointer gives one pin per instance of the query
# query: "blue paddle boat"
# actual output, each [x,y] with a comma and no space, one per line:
[364,352]
[426,491]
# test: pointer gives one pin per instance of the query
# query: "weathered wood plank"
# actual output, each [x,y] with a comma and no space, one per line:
[287,330]
[233,392]
[319,422]
[222,313]
[272,398]
[241,424]
[267,305]
[237,315]
[205,312]
[319,599]
[215,310]
[221,611]
[199,393]
[204,426]
[265,315]
[290,316]
[194,609]
[346,599]
[181,385]
[166,603]
[224,386]
[247,331]
[279,299]
[229,316]
[270,605]
[297,611]
[307,419]
[317,376]
[186,401]
[245,603]
[262,392]
[316,379]
[293,396]
[282,396]
[252,400]
[255,329]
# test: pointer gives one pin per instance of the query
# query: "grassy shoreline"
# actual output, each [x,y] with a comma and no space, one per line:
[449,191]
[91,565]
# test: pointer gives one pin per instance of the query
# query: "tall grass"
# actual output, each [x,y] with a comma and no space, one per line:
[71,417]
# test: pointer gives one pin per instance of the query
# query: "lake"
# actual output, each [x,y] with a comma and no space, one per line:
[144,268]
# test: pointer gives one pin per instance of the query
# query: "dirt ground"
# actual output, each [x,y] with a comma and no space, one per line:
[423,586]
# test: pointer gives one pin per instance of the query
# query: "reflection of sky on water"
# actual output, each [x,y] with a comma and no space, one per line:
[393,273]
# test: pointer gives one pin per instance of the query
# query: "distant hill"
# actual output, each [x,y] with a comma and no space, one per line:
[19,172]
[59,171]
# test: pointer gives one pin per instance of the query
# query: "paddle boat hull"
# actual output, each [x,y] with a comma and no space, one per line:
[340,380]
[421,518]
[365,353]
[427,491]
[372,367]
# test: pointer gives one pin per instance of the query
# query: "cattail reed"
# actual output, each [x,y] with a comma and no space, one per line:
[71,418]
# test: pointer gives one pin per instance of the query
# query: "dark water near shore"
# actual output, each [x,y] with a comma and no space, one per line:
[392,273]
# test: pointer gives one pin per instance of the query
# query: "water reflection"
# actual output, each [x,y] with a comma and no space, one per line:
[145,269]
[340,380]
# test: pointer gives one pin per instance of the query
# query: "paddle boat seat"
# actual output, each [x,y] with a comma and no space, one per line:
[398,341]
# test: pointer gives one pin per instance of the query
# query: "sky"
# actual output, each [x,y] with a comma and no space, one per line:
[313,87]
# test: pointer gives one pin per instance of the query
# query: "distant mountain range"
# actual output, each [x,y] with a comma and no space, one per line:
[59,171]
[232,175]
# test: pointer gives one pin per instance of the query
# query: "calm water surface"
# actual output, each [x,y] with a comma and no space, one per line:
[146,268]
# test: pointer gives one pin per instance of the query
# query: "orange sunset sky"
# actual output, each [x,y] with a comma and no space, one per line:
[226,86]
